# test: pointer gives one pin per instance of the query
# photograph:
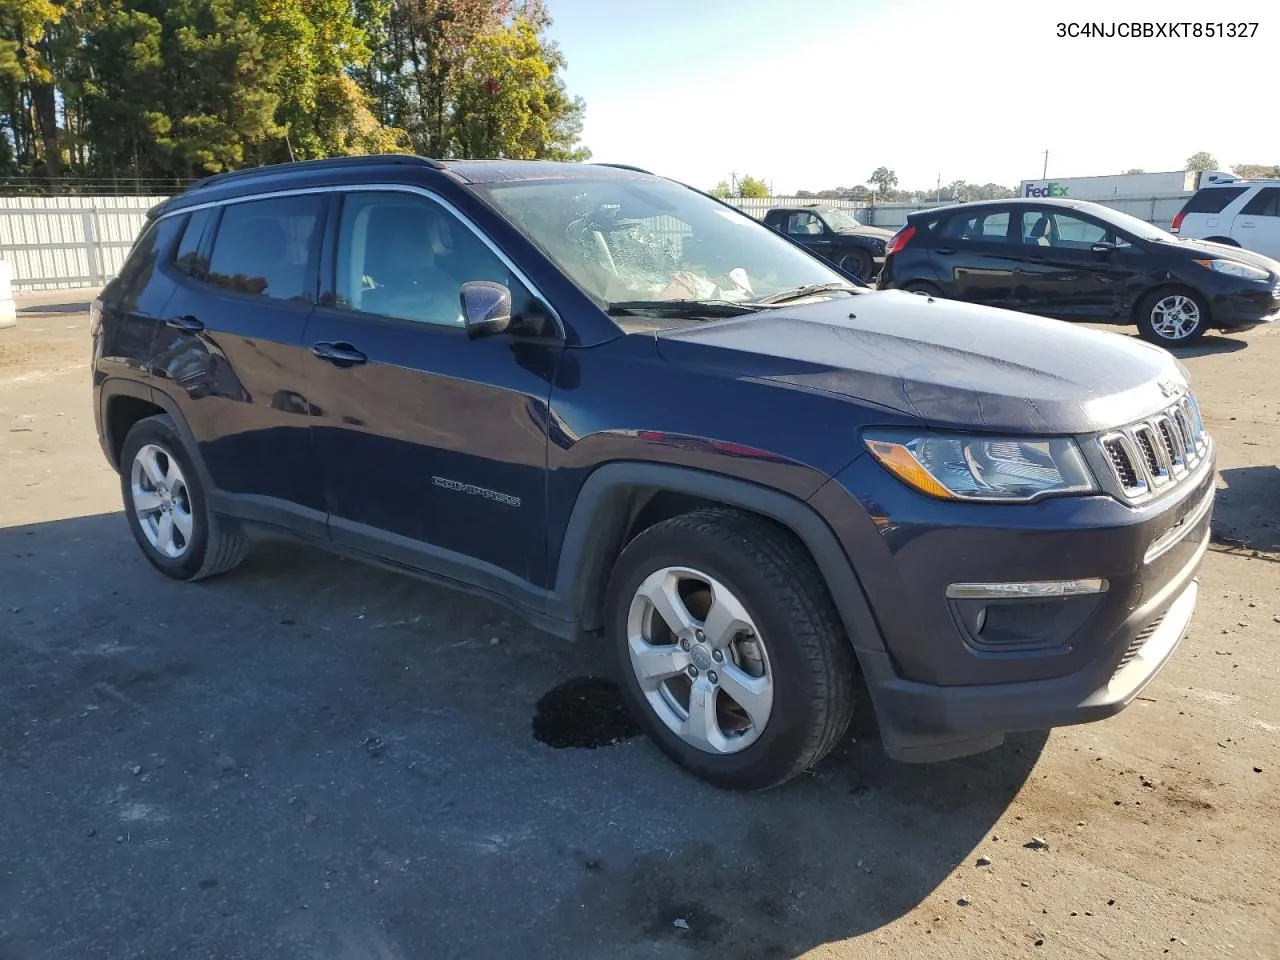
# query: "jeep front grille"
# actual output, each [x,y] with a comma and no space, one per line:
[1154,455]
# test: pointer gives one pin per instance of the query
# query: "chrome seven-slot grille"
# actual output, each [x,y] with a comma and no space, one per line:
[1153,455]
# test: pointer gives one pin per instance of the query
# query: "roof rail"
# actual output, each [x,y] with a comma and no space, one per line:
[625,166]
[330,163]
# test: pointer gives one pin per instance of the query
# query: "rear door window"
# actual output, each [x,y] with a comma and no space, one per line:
[267,247]
[986,227]
[1265,203]
[1212,199]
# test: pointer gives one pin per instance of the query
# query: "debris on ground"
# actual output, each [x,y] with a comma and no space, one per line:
[1036,843]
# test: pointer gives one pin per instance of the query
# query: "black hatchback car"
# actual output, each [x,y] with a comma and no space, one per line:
[1074,260]
[633,413]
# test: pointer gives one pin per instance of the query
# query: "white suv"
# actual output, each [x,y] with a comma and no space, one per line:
[1242,213]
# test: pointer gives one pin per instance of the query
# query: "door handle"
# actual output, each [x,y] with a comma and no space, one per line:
[946,250]
[340,354]
[188,323]
[1248,223]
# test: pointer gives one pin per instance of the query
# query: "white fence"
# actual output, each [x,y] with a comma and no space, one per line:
[62,242]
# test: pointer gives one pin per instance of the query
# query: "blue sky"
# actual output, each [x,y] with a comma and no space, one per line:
[818,93]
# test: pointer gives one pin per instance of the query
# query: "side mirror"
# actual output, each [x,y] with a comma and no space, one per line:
[1103,247]
[486,308]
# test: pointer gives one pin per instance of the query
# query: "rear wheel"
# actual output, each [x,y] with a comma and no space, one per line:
[922,288]
[858,263]
[167,507]
[1172,317]
[1226,241]
[730,651]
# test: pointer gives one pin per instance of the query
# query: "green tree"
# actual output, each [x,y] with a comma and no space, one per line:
[883,179]
[750,187]
[1202,161]
[1134,170]
[722,190]
[1256,171]
[315,43]
[28,34]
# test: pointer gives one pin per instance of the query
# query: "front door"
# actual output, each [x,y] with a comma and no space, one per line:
[231,351]
[433,446]
[809,228]
[1257,226]
[1061,274]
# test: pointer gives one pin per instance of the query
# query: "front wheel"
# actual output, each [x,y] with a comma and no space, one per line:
[922,288]
[730,651]
[1172,318]
[858,263]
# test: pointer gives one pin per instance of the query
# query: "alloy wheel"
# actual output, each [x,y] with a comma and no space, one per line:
[1175,317]
[161,501]
[700,661]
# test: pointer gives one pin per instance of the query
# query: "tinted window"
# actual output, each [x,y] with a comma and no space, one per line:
[1049,229]
[264,246]
[1212,199]
[187,258]
[402,255]
[804,224]
[151,247]
[1266,203]
[991,227]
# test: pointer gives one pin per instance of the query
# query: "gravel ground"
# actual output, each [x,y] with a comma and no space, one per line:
[309,758]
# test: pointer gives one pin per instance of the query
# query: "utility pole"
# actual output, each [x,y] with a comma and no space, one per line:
[1044,174]
[938,196]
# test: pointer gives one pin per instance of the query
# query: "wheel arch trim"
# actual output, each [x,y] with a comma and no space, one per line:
[594,536]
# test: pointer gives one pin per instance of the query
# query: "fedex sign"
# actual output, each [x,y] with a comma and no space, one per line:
[1044,188]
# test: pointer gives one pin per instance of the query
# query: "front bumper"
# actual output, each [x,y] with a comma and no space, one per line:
[1244,308]
[922,722]
[939,690]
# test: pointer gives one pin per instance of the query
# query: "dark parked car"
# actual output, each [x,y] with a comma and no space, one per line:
[1074,260]
[835,235]
[629,411]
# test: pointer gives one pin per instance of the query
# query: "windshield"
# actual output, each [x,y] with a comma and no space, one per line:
[633,241]
[838,220]
[1139,228]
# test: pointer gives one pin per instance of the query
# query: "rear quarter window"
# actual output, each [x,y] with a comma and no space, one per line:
[1212,199]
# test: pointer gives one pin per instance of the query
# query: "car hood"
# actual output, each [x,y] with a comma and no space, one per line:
[880,233]
[1224,251]
[944,362]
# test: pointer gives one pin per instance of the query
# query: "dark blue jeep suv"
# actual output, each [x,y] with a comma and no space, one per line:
[628,410]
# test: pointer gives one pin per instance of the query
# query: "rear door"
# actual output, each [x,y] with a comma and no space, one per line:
[1257,226]
[1061,274]
[230,354]
[974,256]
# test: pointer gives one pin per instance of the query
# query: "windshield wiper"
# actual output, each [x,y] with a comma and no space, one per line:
[681,308]
[808,289]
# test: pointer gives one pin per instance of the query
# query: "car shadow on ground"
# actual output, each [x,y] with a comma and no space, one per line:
[310,756]
[1210,345]
[1244,514]
[54,309]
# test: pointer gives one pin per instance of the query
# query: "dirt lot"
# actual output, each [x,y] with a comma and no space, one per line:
[309,758]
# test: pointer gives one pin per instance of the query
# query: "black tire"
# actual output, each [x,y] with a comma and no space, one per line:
[1225,241]
[922,288]
[859,263]
[810,658]
[1146,319]
[213,547]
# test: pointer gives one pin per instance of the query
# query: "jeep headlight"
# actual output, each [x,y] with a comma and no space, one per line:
[967,467]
